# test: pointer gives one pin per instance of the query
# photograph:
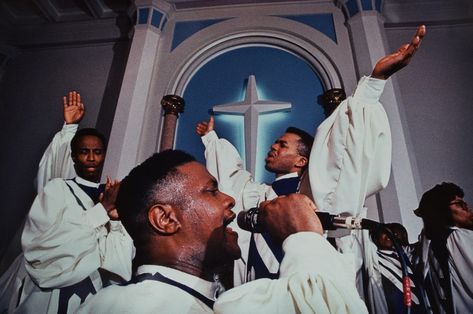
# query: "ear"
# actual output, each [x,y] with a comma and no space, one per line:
[301,162]
[163,219]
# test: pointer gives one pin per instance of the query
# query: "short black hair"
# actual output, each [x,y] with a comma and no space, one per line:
[86,132]
[394,227]
[139,189]
[305,142]
[434,204]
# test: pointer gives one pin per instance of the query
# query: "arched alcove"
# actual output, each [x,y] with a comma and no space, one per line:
[280,76]
[327,59]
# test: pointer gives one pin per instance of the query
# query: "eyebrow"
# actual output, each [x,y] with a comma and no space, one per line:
[213,182]
[91,148]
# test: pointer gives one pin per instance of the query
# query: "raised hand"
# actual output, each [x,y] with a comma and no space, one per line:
[73,108]
[109,196]
[205,127]
[392,63]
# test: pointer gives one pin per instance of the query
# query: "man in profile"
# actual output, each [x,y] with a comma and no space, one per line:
[178,219]
[349,160]
[445,258]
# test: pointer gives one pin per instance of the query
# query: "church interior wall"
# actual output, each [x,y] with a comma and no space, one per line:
[33,84]
[435,90]
[436,93]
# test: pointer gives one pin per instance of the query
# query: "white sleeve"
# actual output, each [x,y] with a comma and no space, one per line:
[351,155]
[459,245]
[56,161]
[224,162]
[315,280]
[63,244]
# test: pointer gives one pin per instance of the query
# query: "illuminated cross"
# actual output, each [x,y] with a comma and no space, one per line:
[251,107]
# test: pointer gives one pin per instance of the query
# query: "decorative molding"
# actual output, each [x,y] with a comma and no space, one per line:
[314,47]
[322,22]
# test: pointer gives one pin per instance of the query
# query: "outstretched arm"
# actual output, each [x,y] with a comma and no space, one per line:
[222,158]
[392,63]
[351,155]
[56,161]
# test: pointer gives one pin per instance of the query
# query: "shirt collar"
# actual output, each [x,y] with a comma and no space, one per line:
[83,181]
[287,176]
[206,288]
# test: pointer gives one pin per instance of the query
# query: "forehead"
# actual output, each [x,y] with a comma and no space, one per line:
[290,138]
[89,141]
[456,200]
[195,173]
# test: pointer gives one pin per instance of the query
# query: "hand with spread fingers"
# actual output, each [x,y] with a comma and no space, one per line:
[392,63]
[73,108]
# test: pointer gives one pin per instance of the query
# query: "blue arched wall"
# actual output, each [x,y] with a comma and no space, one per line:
[280,76]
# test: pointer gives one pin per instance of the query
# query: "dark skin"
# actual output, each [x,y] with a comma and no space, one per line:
[392,63]
[89,155]
[383,69]
[462,214]
[192,235]
[88,163]
[73,108]
[283,156]
[196,239]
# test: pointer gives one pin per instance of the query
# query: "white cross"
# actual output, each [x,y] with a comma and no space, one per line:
[251,107]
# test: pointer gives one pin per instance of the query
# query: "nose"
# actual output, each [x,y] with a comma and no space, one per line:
[90,156]
[228,201]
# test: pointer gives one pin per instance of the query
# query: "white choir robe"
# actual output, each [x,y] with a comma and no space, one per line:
[460,263]
[56,161]
[62,253]
[350,159]
[63,244]
[311,281]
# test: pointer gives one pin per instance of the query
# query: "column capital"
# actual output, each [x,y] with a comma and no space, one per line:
[154,13]
[351,8]
[173,104]
[331,98]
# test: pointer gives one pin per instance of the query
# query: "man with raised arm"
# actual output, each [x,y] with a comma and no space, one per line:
[350,159]
[56,161]
[73,243]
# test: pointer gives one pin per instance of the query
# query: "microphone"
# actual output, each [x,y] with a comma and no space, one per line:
[249,220]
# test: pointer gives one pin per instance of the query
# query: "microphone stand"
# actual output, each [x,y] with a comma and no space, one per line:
[406,286]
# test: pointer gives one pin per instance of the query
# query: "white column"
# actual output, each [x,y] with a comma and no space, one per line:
[396,202]
[123,147]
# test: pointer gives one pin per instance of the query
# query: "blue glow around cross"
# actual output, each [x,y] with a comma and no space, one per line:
[251,107]
[281,75]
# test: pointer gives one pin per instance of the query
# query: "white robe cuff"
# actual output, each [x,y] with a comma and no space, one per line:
[209,137]
[369,90]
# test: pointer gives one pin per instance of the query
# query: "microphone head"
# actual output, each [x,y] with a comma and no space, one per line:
[248,220]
